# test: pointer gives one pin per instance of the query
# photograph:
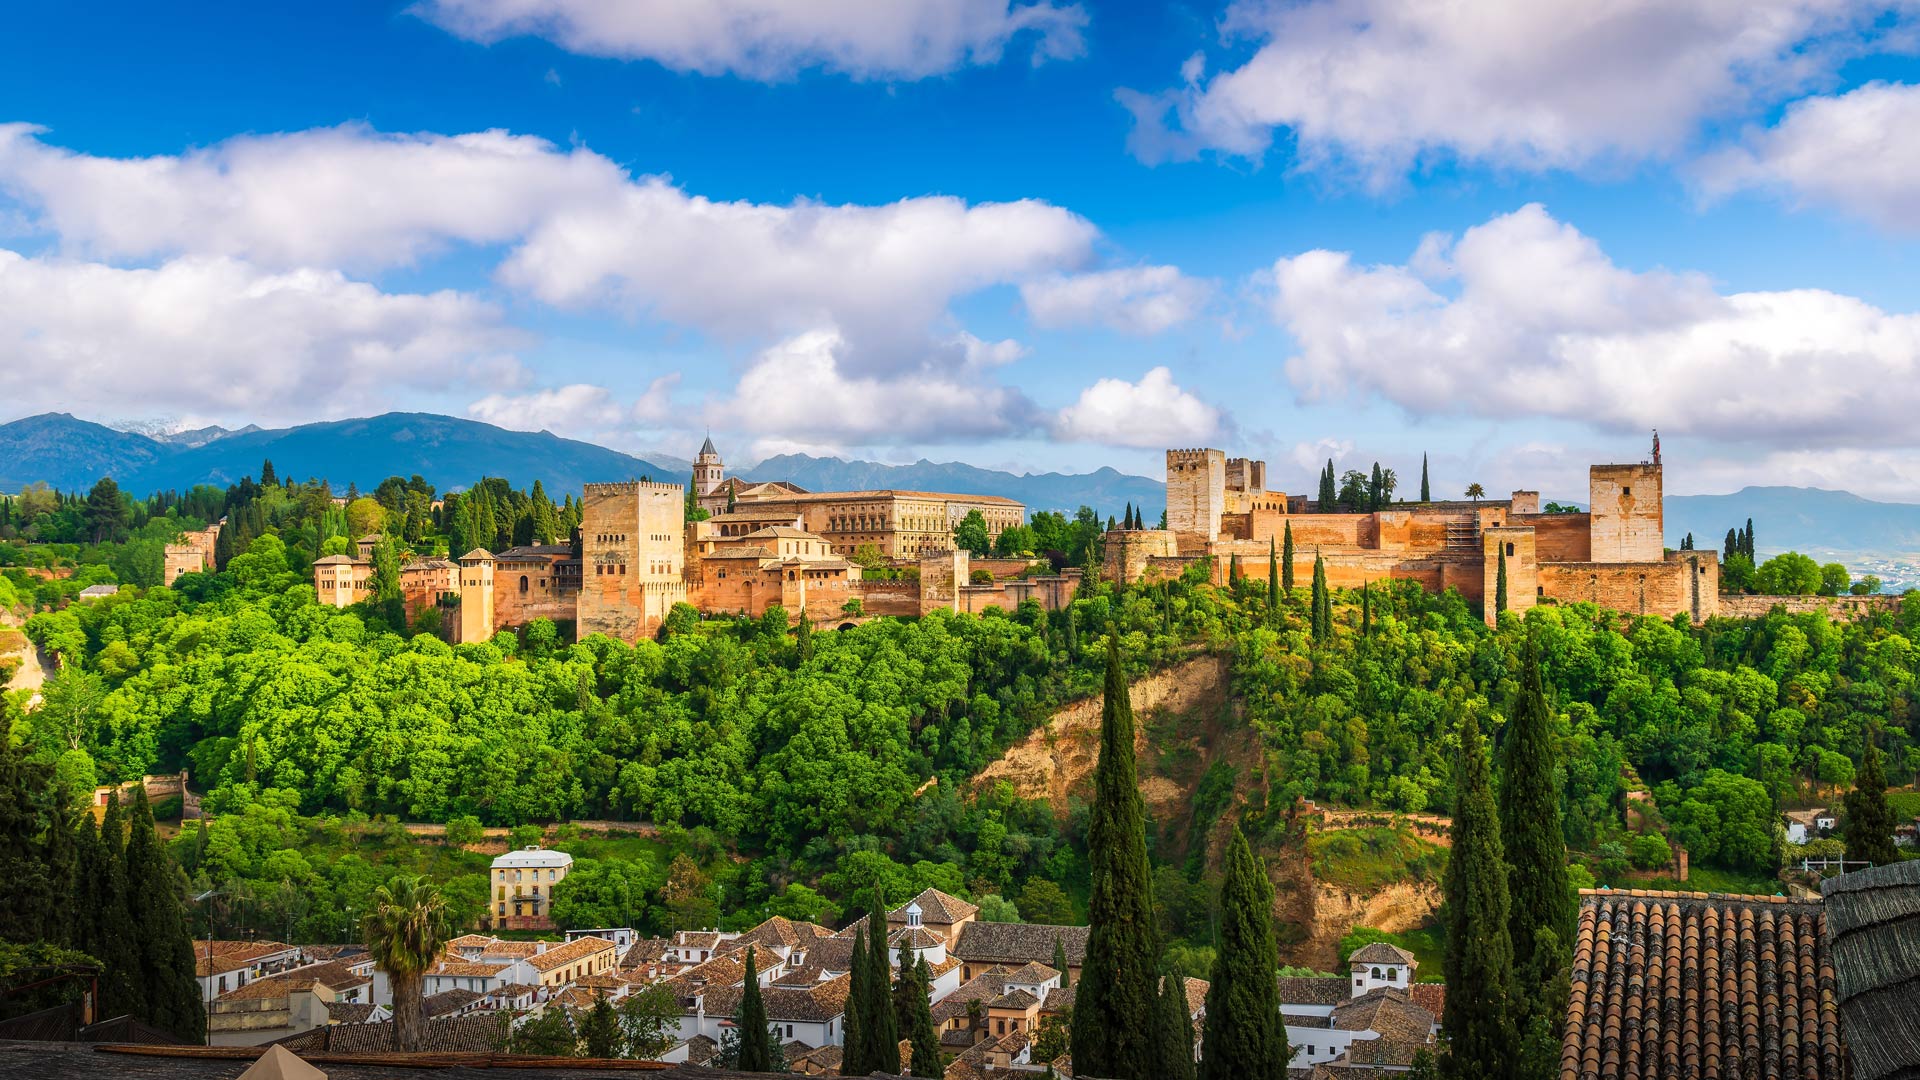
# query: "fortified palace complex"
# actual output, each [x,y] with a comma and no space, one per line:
[1612,555]
[775,543]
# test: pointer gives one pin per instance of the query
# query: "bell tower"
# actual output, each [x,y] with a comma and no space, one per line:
[707,470]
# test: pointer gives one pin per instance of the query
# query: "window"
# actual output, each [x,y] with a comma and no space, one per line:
[523,584]
[789,1031]
[1509,555]
[1393,974]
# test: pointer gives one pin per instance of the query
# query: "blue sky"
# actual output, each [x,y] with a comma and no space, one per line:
[1038,235]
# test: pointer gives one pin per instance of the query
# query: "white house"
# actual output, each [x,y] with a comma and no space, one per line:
[1377,1007]
[1807,825]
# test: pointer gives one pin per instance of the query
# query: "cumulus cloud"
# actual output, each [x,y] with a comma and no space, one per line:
[1857,152]
[800,392]
[580,408]
[1524,316]
[580,231]
[776,39]
[346,196]
[1135,299]
[1377,84]
[1154,412]
[879,274]
[214,336]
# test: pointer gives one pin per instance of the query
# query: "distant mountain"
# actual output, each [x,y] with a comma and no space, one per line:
[1105,489]
[71,454]
[201,436]
[1809,520]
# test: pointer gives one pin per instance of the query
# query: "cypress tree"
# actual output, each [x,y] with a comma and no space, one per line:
[1286,562]
[1233,572]
[62,862]
[883,1030]
[1376,488]
[1329,492]
[1113,1027]
[919,1026]
[853,1042]
[1273,578]
[1174,1028]
[1500,585]
[1748,545]
[1322,601]
[803,636]
[1366,610]
[1243,1034]
[1426,490]
[121,991]
[1541,905]
[1732,544]
[165,948]
[758,1047]
[29,907]
[1478,1022]
[1060,963]
[1869,828]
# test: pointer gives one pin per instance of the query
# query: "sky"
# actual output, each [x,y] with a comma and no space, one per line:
[1513,237]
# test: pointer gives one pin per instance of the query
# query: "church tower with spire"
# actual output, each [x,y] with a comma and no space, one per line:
[707,470]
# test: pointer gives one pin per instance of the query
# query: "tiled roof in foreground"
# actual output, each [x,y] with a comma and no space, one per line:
[1669,984]
[1873,928]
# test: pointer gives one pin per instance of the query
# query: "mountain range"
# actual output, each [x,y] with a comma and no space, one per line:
[71,454]
[452,453]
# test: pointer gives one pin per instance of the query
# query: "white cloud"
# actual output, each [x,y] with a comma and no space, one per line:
[1154,412]
[344,196]
[1135,299]
[776,39]
[216,337]
[881,275]
[579,230]
[573,407]
[1377,84]
[1858,152]
[799,393]
[1531,318]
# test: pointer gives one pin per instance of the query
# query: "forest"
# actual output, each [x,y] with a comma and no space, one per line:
[804,773]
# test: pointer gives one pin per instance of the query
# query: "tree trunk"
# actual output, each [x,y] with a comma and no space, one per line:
[406,1010]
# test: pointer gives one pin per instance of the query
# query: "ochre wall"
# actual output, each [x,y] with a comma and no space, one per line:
[632,554]
[1196,492]
[1649,588]
[1558,537]
[1844,608]
[544,597]
[1522,569]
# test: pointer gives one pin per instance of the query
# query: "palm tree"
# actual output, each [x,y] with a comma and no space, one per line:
[405,927]
[1476,492]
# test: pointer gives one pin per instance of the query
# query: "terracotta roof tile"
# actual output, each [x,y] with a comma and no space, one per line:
[1700,984]
[1018,943]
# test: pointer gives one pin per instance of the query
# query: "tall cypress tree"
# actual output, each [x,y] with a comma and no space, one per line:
[154,886]
[1286,561]
[1113,1025]
[1500,585]
[918,1028]
[1060,962]
[883,1030]
[1322,601]
[1329,493]
[1366,610]
[853,1049]
[1869,826]
[1541,904]
[1243,1034]
[758,1047]
[1174,1032]
[1273,578]
[121,990]
[1478,1021]
[1426,490]
[30,909]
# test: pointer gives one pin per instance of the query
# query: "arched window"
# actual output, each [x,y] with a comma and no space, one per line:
[1376,973]
[1509,551]
[1393,974]
[523,584]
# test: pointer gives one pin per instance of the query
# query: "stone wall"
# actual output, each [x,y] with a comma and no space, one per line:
[1840,608]
[1558,537]
[1128,552]
[1684,582]
[886,597]
[941,575]
[1523,583]
[632,556]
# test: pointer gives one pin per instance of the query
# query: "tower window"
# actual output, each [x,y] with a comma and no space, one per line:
[1626,491]
[1509,550]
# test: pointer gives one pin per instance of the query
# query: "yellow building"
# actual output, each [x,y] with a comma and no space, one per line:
[577,959]
[523,884]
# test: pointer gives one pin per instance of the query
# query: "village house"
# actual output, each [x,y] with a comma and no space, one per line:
[523,884]
[1377,1016]
[1804,826]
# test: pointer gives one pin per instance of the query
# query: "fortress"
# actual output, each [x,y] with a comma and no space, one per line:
[764,545]
[1612,555]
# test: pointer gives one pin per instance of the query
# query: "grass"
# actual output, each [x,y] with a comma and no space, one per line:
[1713,879]
[1371,858]
[1905,804]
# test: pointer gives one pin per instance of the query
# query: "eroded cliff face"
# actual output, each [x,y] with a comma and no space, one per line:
[1190,706]
[1057,758]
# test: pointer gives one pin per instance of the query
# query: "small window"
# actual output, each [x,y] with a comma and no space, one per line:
[523,584]
[1509,551]
[1626,491]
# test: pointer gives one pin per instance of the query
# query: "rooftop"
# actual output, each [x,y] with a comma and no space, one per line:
[936,907]
[532,856]
[1873,930]
[1700,984]
[1017,943]
[1381,953]
[562,955]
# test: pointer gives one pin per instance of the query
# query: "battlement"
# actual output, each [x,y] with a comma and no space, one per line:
[1193,454]
[611,487]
